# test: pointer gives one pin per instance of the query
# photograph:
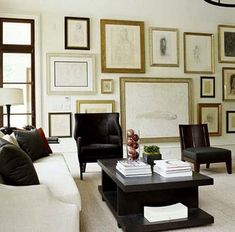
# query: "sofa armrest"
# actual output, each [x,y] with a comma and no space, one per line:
[33,208]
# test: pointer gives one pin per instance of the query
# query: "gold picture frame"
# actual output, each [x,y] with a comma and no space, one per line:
[198,53]
[107,86]
[95,106]
[122,46]
[228,80]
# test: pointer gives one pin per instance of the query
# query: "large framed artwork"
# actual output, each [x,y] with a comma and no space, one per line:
[164,47]
[95,106]
[198,53]
[122,46]
[159,119]
[226,42]
[210,114]
[70,74]
[230,121]
[77,33]
[228,74]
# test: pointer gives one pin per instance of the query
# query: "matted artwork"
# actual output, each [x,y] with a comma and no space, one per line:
[210,114]
[228,74]
[107,85]
[148,105]
[207,87]
[198,52]
[230,121]
[70,74]
[226,42]
[95,106]
[164,47]
[122,46]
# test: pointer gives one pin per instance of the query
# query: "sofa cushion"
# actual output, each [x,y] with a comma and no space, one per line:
[11,139]
[44,140]
[31,143]
[16,167]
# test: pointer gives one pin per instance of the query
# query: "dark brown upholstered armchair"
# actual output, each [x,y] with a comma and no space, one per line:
[98,136]
[195,147]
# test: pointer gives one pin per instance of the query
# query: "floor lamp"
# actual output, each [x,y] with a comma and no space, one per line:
[9,97]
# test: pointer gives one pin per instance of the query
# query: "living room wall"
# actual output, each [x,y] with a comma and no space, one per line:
[187,16]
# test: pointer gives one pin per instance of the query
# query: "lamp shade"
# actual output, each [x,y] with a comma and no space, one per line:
[11,96]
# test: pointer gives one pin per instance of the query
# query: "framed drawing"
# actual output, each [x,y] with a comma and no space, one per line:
[106,85]
[70,74]
[228,75]
[158,120]
[230,121]
[226,42]
[207,87]
[210,114]
[122,46]
[164,47]
[77,33]
[198,53]
[95,106]
[60,124]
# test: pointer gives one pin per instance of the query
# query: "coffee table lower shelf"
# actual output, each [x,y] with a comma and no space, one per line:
[138,223]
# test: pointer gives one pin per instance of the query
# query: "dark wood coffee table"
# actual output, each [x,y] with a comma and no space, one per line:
[126,198]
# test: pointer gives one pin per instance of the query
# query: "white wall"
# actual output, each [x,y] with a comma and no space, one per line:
[187,16]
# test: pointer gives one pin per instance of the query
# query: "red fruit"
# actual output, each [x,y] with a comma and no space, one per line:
[135,145]
[131,150]
[135,137]
[130,142]
[130,132]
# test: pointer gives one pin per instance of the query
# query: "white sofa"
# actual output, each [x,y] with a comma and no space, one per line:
[52,206]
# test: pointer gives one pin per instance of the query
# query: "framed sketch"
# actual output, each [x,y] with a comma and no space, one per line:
[77,33]
[228,74]
[164,47]
[95,106]
[207,87]
[60,124]
[198,53]
[226,42]
[210,114]
[70,74]
[106,85]
[122,46]
[159,119]
[230,121]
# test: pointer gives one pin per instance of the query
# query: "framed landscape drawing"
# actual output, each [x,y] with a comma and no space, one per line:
[210,114]
[122,46]
[77,33]
[207,87]
[164,47]
[230,121]
[159,119]
[226,42]
[95,106]
[70,74]
[198,53]
[228,74]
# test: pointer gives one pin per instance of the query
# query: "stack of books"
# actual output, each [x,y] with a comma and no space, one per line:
[133,168]
[172,168]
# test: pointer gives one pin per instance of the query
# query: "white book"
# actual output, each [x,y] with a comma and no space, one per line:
[132,163]
[172,164]
[134,172]
[177,174]
[133,168]
[166,213]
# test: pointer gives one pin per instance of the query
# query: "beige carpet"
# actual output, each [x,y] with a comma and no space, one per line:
[217,199]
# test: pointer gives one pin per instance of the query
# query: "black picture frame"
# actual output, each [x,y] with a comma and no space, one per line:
[230,121]
[207,87]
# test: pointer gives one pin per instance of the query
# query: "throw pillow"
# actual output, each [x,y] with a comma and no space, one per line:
[31,143]
[10,139]
[44,140]
[16,167]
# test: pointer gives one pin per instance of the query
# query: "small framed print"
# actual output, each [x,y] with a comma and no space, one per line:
[60,124]
[164,47]
[207,87]
[210,114]
[230,121]
[226,42]
[77,33]
[198,53]
[106,85]
[228,74]
[95,106]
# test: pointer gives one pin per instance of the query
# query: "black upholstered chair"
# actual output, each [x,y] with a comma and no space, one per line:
[195,147]
[98,136]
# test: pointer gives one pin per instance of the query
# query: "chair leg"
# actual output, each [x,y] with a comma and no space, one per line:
[207,165]
[229,166]
[82,169]
[197,167]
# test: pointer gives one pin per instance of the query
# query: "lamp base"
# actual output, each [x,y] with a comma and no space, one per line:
[7,130]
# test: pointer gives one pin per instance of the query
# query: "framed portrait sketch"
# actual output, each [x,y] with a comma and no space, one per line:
[77,33]
[207,88]
[159,119]
[198,53]
[226,42]
[210,114]
[70,74]
[95,106]
[60,124]
[230,121]
[164,47]
[106,86]
[122,46]
[228,75]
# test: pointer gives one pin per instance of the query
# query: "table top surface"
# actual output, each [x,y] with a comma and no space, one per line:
[153,182]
